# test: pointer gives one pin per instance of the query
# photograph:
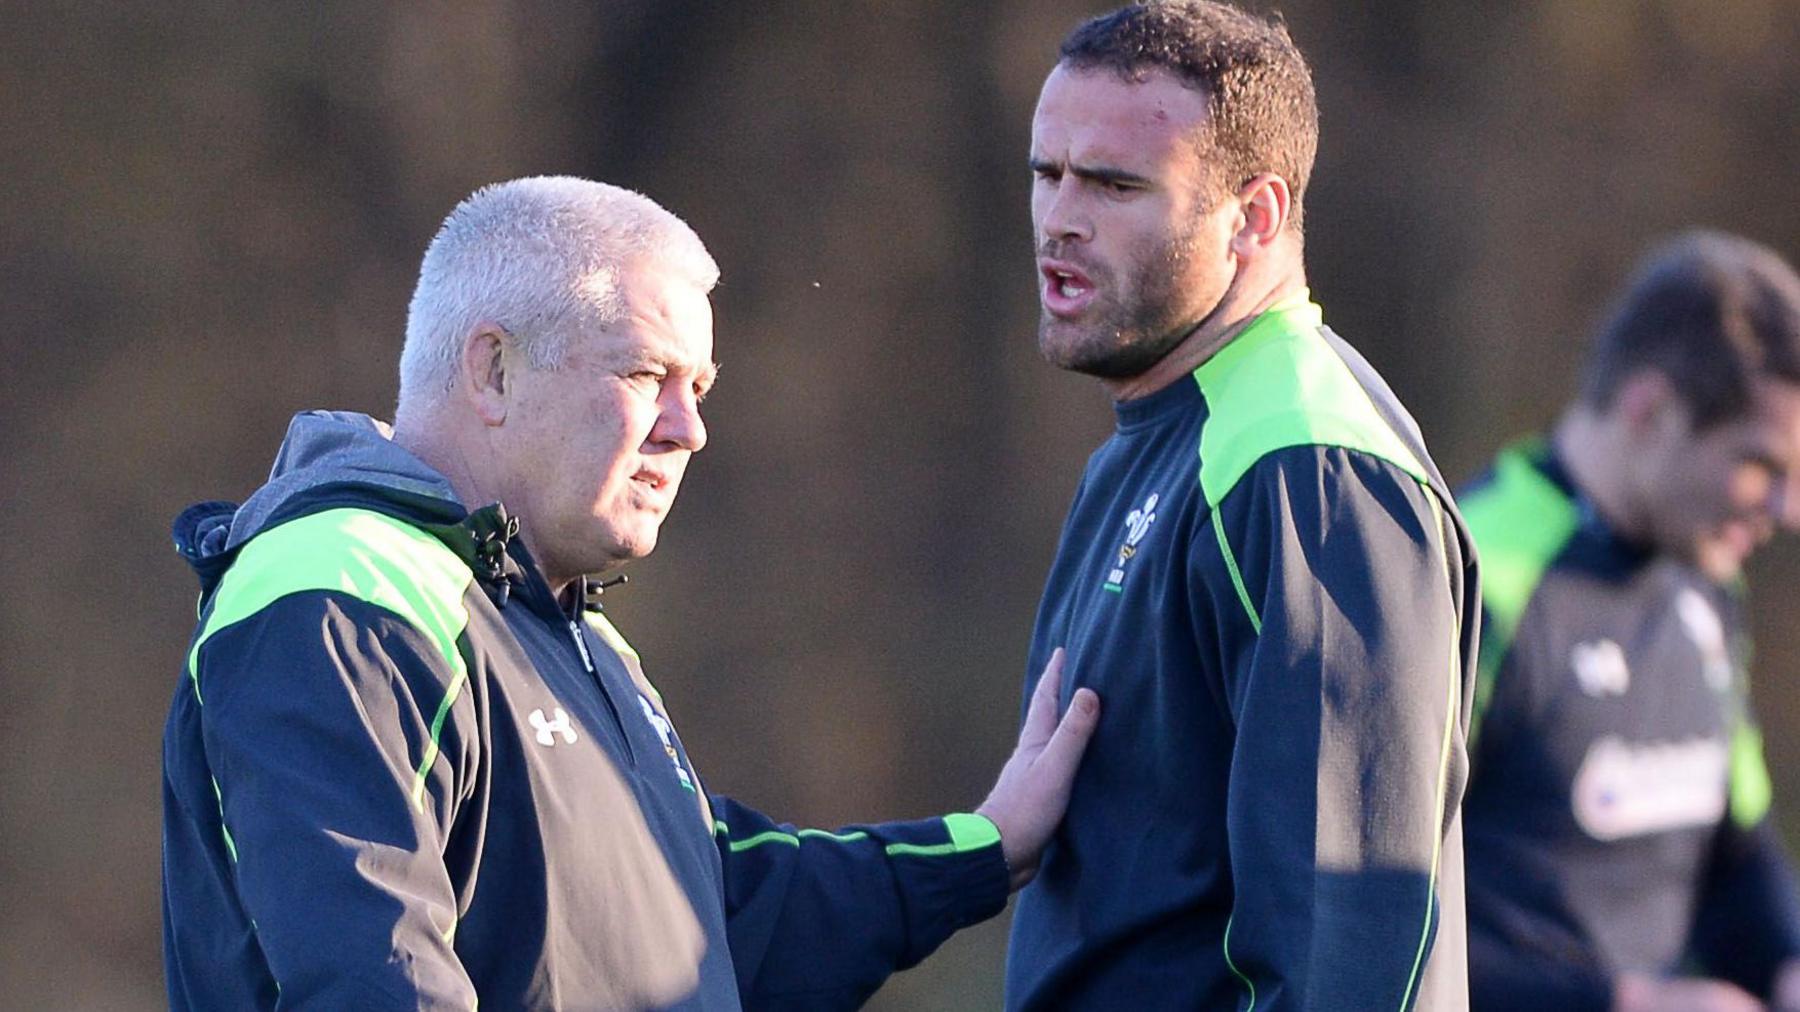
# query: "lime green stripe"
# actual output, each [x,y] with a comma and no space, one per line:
[1520,522]
[365,555]
[1248,984]
[224,830]
[437,728]
[777,836]
[1279,384]
[967,832]
[1237,578]
[772,836]
[1443,787]
[1751,791]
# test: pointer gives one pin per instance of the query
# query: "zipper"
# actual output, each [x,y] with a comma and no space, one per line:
[538,599]
[587,661]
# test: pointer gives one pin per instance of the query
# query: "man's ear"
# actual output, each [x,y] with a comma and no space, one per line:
[482,371]
[1267,204]
[1648,406]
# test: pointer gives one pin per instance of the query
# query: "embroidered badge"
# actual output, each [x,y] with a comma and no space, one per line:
[665,731]
[1137,524]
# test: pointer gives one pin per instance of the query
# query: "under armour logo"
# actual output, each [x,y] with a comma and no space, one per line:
[548,729]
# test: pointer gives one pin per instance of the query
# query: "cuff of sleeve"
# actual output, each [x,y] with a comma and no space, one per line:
[953,884]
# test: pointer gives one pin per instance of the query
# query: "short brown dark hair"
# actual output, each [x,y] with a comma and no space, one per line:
[1264,116]
[1712,312]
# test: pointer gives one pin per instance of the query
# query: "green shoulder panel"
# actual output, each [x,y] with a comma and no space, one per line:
[1279,384]
[1520,521]
[365,555]
[356,552]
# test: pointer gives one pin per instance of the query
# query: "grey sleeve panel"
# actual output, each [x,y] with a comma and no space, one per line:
[319,712]
[1350,756]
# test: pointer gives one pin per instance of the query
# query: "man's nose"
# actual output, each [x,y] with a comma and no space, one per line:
[680,423]
[1064,216]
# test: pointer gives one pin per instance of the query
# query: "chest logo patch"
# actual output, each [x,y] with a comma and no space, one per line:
[1700,620]
[665,731]
[1628,790]
[548,730]
[1600,668]
[1137,524]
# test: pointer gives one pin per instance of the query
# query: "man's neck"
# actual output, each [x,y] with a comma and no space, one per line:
[1592,448]
[438,442]
[1256,288]
[432,440]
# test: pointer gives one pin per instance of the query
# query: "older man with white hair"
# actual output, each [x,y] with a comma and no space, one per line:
[411,764]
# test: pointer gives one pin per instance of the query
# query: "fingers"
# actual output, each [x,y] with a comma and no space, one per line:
[1040,716]
[1063,754]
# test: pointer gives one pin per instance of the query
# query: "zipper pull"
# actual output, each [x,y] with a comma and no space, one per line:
[581,645]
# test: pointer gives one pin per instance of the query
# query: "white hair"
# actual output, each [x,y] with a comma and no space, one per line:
[542,257]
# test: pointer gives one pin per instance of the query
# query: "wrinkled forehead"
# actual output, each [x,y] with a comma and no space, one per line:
[1098,110]
[666,313]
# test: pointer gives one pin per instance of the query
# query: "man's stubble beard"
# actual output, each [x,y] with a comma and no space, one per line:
[1127,340]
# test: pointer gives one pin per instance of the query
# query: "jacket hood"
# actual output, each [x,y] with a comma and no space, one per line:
[329,458]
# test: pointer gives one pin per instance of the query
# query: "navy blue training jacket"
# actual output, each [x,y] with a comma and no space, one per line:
[1265,579]
[399,774]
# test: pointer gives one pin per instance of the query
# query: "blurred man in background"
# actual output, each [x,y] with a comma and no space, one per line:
[1620,851]
[411,763]
[1262,571]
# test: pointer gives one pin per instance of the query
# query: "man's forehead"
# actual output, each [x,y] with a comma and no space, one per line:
[1094,101]
[659,321]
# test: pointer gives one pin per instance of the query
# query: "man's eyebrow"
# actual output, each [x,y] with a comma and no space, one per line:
[1096,173]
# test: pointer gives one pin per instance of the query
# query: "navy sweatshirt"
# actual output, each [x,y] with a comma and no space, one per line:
[398,773]
[1617,816]
[1265,580]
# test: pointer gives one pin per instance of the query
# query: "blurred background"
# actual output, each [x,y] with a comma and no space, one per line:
[213,213]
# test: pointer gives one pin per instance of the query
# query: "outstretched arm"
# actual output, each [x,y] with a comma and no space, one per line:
[820,919]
